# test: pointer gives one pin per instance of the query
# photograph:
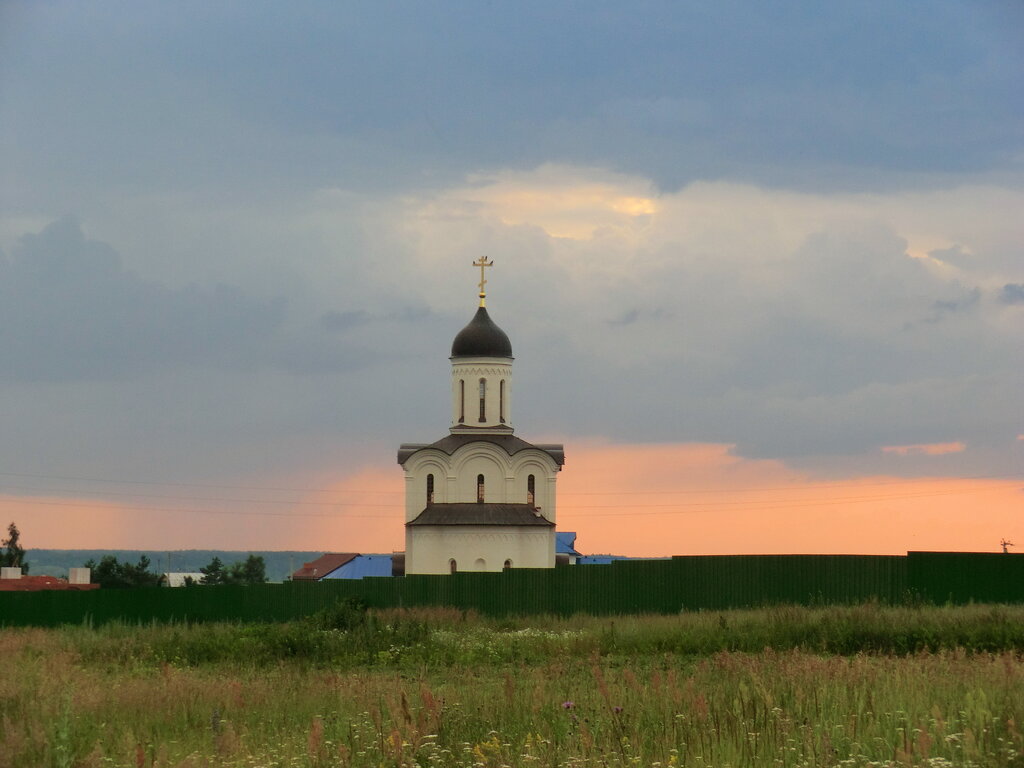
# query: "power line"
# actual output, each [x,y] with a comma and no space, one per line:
[176,484]
[683,491]
[185,510]
[776,504]
[302,502]
[665,509]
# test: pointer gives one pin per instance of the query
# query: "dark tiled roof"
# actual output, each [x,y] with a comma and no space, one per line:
[481,338]
[510,443]
[323,565]
[480,514]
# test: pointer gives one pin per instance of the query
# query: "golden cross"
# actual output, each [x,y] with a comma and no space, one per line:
[482,262]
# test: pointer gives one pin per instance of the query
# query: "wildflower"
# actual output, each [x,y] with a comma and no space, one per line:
[568,705]
[617,710]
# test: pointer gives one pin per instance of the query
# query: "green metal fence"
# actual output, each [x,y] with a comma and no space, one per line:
[627,586]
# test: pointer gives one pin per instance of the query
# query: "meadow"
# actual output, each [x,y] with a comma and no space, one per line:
[781,686]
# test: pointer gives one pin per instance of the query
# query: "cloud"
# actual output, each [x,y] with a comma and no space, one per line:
[343,321]
[795,326]
[632,499]
[71,310]
[681,93]
[792,324]
[359,511]
[954,254]
[1012,293]
[925,449]
[627,318]
[565,202]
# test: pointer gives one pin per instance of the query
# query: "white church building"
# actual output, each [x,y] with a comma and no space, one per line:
[480,498]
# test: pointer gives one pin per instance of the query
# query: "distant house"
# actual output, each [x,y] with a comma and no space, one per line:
[345,565]
[565,546]
[177,579]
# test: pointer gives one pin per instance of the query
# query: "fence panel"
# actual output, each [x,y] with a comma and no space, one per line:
[711,582]
[963,577]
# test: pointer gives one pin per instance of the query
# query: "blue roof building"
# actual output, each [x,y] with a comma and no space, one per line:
[362,566]
[565,544]
[347,565]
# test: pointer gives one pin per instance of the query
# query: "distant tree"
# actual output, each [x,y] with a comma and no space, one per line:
[213,573]
[12,555]
[110,573]
[252,570]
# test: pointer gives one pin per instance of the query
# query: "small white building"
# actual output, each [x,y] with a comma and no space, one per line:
[480,498]
[181,578]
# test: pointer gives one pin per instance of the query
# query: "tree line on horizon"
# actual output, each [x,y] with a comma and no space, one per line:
[111,573]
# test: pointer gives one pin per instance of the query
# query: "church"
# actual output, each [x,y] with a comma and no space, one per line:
[480,498]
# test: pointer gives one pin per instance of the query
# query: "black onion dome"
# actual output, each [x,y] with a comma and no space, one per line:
[481,338]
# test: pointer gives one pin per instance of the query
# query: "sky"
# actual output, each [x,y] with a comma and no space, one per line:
[762,266]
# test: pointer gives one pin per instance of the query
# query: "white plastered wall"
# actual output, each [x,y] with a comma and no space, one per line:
[455,477]
[430,549]
[466,408]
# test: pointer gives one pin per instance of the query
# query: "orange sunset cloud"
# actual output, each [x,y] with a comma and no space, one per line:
[640,500]
[701,499]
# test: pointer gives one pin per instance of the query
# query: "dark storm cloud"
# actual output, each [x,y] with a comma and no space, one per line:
[69,310]
[377,94]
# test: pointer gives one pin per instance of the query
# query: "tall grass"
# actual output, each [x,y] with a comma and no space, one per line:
[347,637]
[441,688]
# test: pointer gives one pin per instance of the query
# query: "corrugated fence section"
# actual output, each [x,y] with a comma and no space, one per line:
[626,586]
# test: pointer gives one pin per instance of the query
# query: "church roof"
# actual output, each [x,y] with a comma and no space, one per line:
[481,514]
[481,338]
[512,445]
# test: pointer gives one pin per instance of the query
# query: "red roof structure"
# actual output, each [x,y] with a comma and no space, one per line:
[40,583]
[323,565]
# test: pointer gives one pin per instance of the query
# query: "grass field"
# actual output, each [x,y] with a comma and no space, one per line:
[787,686]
